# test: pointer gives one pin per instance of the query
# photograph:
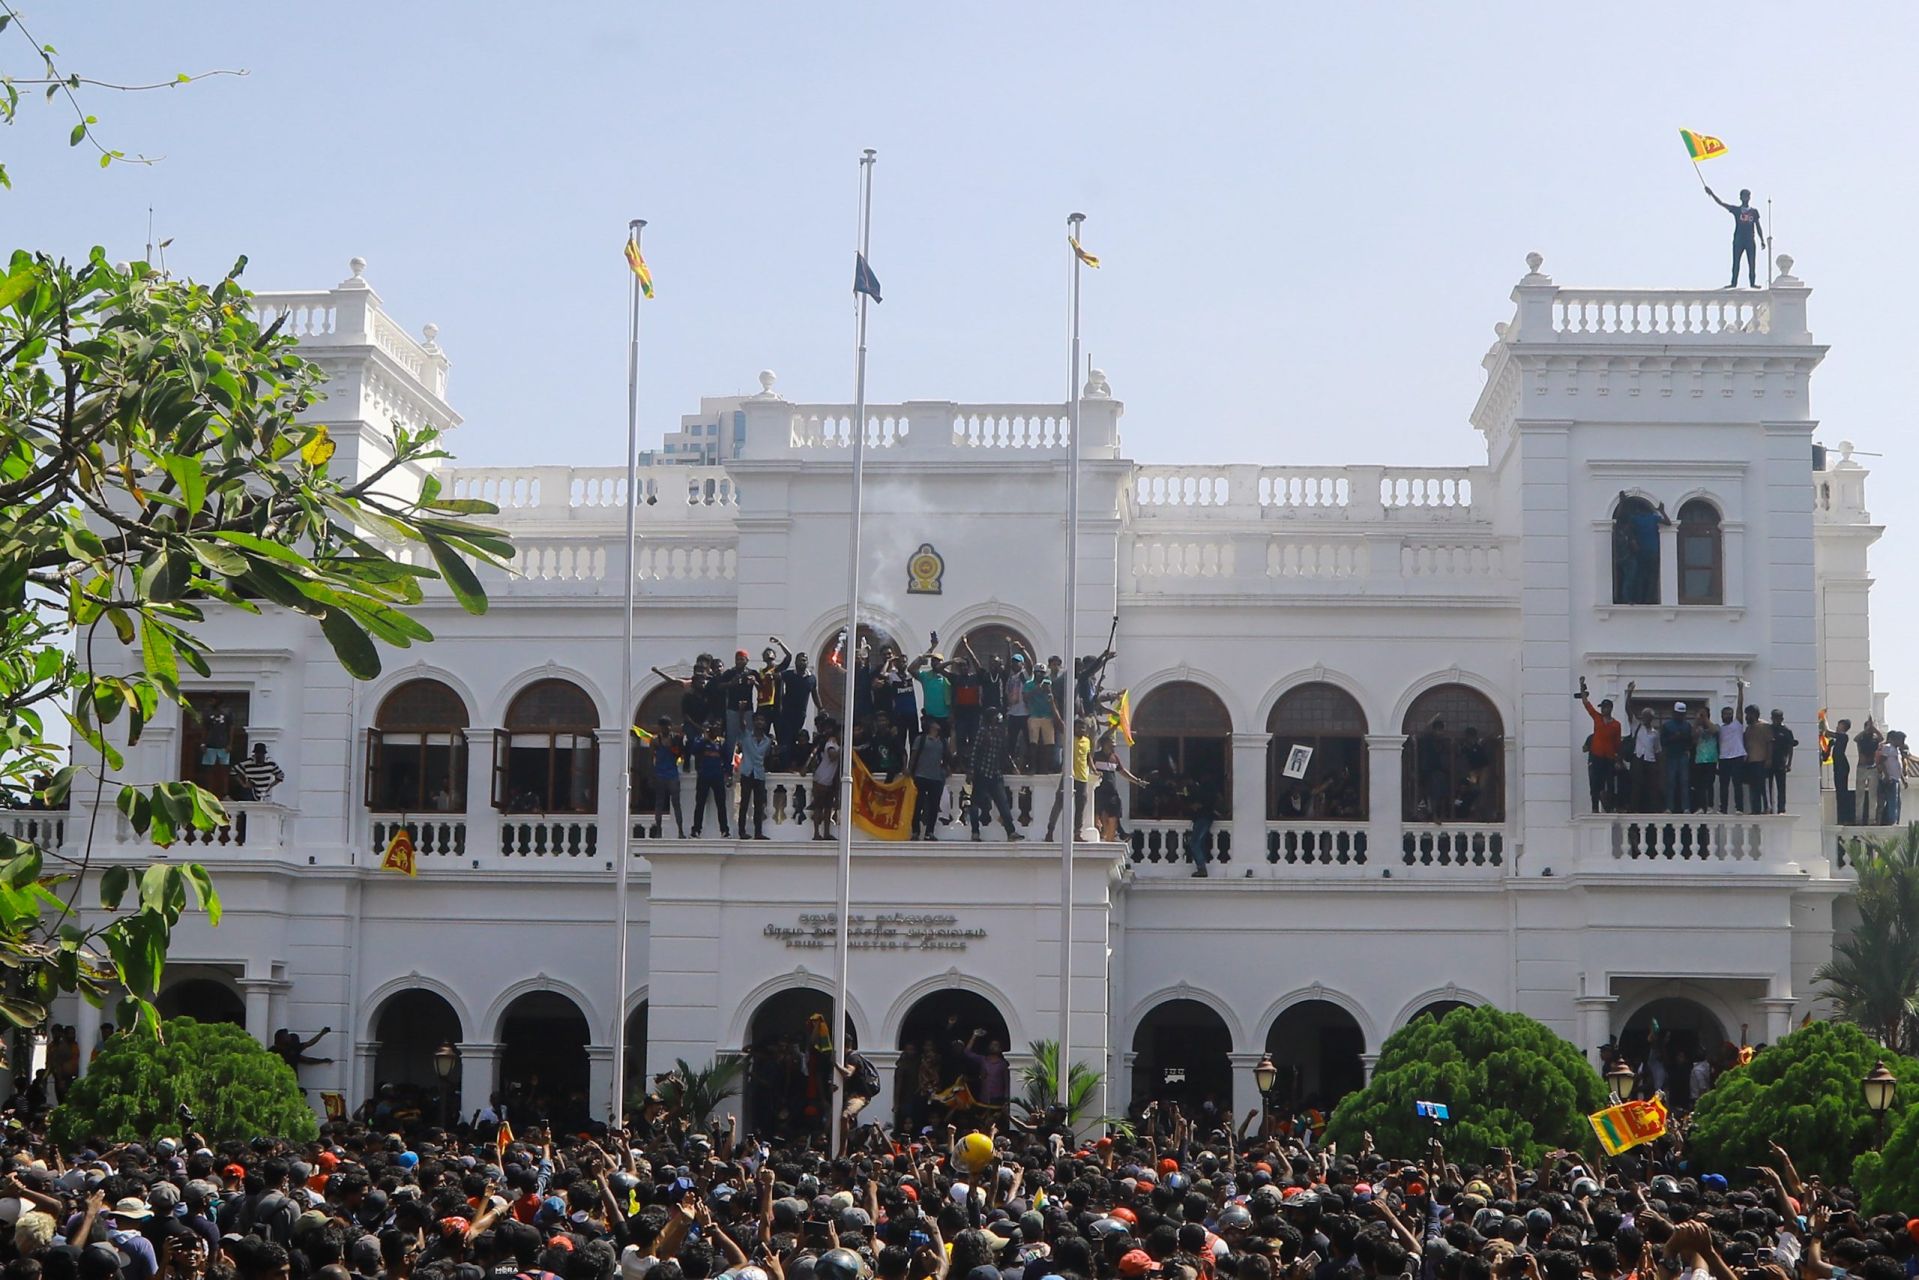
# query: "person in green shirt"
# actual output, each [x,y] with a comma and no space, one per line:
[936,691]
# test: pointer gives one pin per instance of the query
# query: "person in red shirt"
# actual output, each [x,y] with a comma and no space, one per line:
[1602,752]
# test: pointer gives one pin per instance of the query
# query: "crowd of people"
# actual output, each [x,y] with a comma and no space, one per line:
[929,717]
[1679,758]
[1024,1198]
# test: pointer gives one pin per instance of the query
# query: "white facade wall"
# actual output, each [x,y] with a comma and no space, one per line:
[1246,580]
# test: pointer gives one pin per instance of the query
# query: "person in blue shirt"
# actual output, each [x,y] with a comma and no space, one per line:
[1747,234]
[1675,751]
[755,745]
[712,766]
[666,777]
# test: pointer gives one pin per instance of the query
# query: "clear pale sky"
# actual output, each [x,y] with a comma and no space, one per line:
[1310,215]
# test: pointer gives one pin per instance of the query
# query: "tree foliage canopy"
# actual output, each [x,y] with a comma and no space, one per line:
[233,1085]
[1873,976]
[1507,1079]
[154,457]
[1803,1093]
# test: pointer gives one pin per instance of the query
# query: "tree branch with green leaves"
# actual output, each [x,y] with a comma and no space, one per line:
[157,458]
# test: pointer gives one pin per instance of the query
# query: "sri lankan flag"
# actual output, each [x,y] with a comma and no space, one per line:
[883,810]
[640,269]
[1701,146]
[1081,253]
[1122,717]
[1629,1124]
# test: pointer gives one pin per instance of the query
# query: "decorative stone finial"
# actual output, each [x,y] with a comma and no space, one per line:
[1499,330]
[429,331]
[766,392]
[1785,264]
[1534,261]
[1845,452]
[357,266]
[357,280]
[1097,387]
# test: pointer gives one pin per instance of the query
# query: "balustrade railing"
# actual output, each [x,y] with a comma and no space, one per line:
[42,828]
[1307,846]
[1662,313]
[1166,848]
[1477,845]
[436,837]
[667,491]
[817,426]
[549,836]
[1697,839]
[1011,426]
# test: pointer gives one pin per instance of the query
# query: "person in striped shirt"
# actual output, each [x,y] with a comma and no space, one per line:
[258,774]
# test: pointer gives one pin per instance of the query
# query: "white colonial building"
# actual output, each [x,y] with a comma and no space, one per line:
[1259,606]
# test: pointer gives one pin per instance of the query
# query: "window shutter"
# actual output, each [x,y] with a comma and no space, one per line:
[502,739]
[374,742]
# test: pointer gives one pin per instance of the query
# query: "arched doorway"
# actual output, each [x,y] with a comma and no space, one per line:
[1183,747]
[543,1064]
[789,1085]
[1454,767]
[410,1028]
[937,1030]
[1676,1031]
[416,751]
[635,1075]
[1317,1046]
[1437,1009]
[547,758]
[203,1000]
[830,666]
[1182,1052]
[1328,721]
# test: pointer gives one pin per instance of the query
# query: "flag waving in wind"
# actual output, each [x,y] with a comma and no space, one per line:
[1081,254]
[1701,146]
[864,281]
[640,269]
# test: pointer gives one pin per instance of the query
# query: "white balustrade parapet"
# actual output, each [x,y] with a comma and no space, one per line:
[1548,312]
[350,315]
[1354,494]
[669,493]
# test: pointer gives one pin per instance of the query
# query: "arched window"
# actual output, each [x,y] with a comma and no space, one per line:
[1455,761]
[663,701]
[1325,720]
[1182,746]
[547,759]
[416,751]
[1635,551]
[1702,577]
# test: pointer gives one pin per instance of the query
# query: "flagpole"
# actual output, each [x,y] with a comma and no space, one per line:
[1063,1069]
[851,655]
[622,855]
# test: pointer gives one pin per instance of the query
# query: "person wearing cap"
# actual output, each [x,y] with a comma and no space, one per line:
[1675,752]
[1017,714]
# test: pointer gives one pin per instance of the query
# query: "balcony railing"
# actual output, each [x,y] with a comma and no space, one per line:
[42,828]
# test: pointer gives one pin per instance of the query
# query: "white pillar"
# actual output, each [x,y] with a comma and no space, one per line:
[480,1074]
[86,1032]
[1385,756]
[37,1056]
[1245,1089]
[599,1078]
[613,826]
[1595,1025]
[1778,1011]
[1669,564]
[259,999]
[887,1062]
[481,835]
[1249,800]
[1368,1061]
[366,1074]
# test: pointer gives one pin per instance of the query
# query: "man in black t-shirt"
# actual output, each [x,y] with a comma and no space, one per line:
[1746,235]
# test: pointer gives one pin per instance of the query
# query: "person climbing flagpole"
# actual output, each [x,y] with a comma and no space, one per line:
[1070,757]
[865,285]
[642,285]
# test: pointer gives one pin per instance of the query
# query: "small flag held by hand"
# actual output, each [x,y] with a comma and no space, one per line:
[864,281]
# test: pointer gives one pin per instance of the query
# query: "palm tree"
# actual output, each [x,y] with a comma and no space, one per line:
[695,1093]
[1873,976]
[1041,1078]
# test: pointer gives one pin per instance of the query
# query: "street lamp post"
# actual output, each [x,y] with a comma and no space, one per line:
[1620,1076]
[445,1058]
[1265,1076]
[1879,1085]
